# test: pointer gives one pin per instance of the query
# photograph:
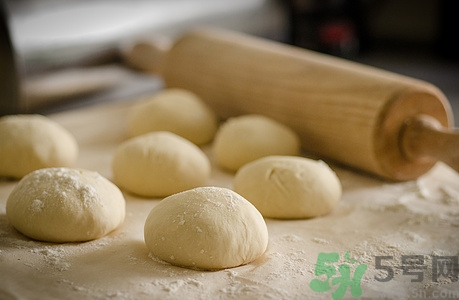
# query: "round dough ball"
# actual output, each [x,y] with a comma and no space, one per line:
[289,187]
[65,205]
[206,228]
[175,110]
[159,164]
[244,139]
[32,142]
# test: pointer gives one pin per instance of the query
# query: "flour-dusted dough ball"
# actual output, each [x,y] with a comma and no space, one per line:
[175,110]
[206,228]
[31,142]
[159,164]
[288,187]
[244,139]
[65,205]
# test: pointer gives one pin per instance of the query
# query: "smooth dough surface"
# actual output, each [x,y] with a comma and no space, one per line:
[159,164]
[65,205]
[206,228]
[175,110]
[243,139]
[31,142]
[288,187]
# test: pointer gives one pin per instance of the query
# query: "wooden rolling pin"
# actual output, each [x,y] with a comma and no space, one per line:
[387,124]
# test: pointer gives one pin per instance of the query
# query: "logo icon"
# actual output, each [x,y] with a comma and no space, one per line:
[338,274]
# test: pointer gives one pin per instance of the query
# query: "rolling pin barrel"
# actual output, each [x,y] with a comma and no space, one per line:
[343,111]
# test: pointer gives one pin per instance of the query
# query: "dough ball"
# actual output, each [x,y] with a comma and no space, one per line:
[206,228]
[159,164]
[175,110]
[289,187]
[244,139]
[65,205]
[32,142]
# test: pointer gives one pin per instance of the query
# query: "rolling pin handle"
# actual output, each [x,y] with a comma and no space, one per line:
[146,54]
[424,139]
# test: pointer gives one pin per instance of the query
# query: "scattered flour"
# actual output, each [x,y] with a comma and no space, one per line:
[413,237]
[54,256]
[290,238]
[450,195]
[286,270]
[175,285]
[320,241]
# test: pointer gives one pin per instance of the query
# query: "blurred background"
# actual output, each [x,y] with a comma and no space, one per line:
[62,54]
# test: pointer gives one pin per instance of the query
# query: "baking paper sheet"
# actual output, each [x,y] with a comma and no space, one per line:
[384,240]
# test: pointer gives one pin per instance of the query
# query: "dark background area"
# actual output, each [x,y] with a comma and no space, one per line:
[417,38]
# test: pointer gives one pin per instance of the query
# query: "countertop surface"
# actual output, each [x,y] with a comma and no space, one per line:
[384,239]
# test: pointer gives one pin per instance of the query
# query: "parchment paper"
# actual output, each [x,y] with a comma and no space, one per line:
[403,222]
